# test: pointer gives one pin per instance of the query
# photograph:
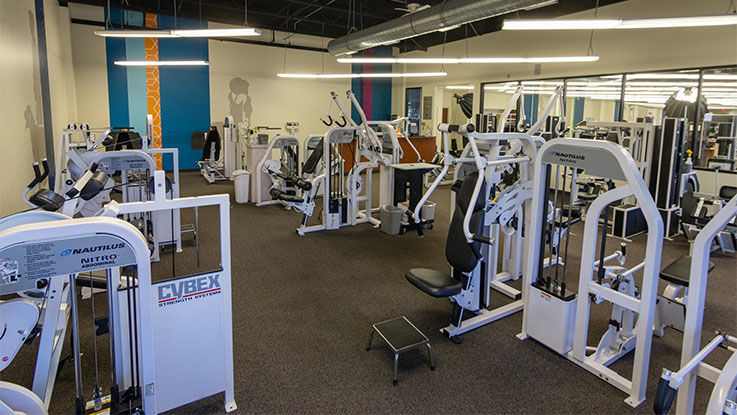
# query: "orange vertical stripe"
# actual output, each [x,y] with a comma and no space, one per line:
[153,97]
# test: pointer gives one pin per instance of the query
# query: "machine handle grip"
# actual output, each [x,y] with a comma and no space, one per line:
[303,184]
[45,174]
[664,397]
[456,128]
[482,239]
[36,176]
[93,167]
[345,122]
[329,122]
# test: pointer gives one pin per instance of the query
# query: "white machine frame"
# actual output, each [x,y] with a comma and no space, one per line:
[263,171]
[563,324]
[511,202]
[166,335]
[722,399]
[230,153]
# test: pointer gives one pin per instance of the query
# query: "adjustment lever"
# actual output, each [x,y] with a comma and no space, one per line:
[483,239]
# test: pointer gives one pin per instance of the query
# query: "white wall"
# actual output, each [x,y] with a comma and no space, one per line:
[21,114]
[61,68]
[273,101]
[89,61]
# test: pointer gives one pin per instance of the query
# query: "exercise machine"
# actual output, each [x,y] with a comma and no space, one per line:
[347,199]
[273,173]
[559,318]
[221,156]
[152,334]
[723,398]
[492,191]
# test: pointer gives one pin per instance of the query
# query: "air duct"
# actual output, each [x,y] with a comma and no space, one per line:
[445,15]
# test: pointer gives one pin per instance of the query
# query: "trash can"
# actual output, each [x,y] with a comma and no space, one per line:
[427,213]
[391,219]
[241,179]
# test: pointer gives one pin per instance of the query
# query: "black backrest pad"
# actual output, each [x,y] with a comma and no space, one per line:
[311,164]
[212,137]
[459,253]
[727,192]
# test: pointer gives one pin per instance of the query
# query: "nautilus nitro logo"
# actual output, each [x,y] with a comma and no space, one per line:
[65,252]
[569,156]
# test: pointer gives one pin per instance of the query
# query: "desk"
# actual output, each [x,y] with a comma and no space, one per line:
[425,146]
[410,176]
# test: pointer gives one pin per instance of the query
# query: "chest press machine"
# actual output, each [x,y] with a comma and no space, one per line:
[485,205]
[149,341]
[559,318]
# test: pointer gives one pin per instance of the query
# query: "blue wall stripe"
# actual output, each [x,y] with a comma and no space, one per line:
[136,78]
[43,64]
[578,107]
[381,102]
[184,92]
[117,78]
[531,103]
[617,108]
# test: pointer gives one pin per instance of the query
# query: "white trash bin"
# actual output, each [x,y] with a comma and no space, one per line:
[241,180]
[427,213]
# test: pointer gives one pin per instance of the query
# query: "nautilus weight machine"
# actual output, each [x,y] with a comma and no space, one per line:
[159,323]
[723,398]
[559,318]
[491,197]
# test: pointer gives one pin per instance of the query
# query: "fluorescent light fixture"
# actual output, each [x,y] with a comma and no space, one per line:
[360,75]
[596,24]
[447,28]
[544,59]
[226,32]
[134,33]
[541,59]
[161,63]
[713,77]
[467,87]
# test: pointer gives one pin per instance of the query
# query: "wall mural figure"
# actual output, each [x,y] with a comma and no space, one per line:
[33,114]
[240,104]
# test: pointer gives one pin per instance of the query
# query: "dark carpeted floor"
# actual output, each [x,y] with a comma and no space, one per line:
[303,307]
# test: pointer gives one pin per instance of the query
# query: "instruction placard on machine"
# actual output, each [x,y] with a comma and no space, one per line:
[23,264]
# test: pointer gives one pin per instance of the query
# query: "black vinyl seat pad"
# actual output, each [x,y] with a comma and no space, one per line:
[435,283]
[678,271]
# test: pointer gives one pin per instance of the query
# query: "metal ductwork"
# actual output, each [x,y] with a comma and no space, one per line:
[447,14]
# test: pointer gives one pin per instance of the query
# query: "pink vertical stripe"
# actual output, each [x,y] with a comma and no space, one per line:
[367,91]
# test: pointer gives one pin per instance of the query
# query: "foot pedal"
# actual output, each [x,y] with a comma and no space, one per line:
[103,326]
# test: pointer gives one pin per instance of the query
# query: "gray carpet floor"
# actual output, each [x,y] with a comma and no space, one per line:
[303,307]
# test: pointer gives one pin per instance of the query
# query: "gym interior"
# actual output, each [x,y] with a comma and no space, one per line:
[368,206]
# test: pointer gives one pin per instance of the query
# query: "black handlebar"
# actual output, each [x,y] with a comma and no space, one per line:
[344,121]
[456,128]
[483,239]
[663,397]
[38,176]
[45,174]
[329,122]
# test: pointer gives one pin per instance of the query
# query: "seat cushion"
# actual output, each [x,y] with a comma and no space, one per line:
[434,283]
[678,271]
